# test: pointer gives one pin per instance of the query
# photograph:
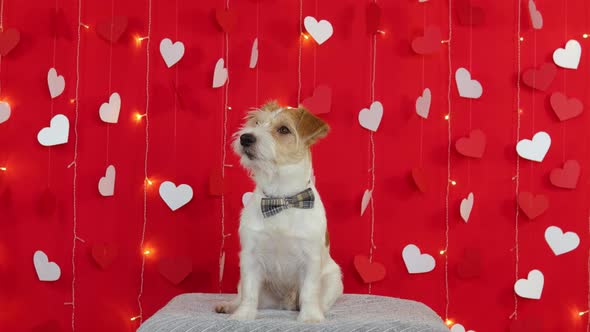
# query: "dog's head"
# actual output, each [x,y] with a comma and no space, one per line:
[274,136]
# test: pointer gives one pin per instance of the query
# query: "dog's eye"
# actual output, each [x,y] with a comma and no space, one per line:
[284,130]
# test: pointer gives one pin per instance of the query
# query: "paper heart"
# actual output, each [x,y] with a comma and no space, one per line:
[420,179]
[109,112]
[57,132]
[246,197]
[534,149]
[423,104]
[369,271]
[541,78]
[320,31]
[536,17]
[568,57]
[175,269]
[106,184]
[225,19]
[4,112]
[365,201]
[171,53]
[373,18]
[415,261]
[370,118]
[469,266]
[56,83]
[532,205]
[321,100]
[565,108]
[9,38]
[112,28]
[219,74]
[459,328]
[559,242]
[46,270]
[104,254]
[532,287]
[216,183]
[175,197]
[467,87]
[566,177]
[429,43]
[469,15]
[254,54]
[472,146]
[466,207]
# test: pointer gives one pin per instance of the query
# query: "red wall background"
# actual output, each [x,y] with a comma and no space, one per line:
[185,146]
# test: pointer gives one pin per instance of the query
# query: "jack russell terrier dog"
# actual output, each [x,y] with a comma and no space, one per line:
[285,258]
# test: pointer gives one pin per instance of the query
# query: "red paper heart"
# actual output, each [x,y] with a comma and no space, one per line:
[321,100]
[59,24]
[469,15]
[112,29]
[540,78]
[373,18]
[472,146]
[532,205]
[9,38]
[429,43]
[469,267]
[216,187]
[420,179]
[104,254]
[566,177]
[565,108]
[175,269]
[48,326]
[369,272]
[226,19]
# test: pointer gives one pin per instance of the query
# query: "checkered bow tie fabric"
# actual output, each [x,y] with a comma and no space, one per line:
[274,205]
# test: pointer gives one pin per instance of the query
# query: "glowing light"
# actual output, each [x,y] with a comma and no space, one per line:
[447,117]
[139,39]
[449,322]
[149,182]
[138,116]
[520,110]
[442,252]
[444,41]
[3,169]
[148,251]
[585,36]
[582,313]
[229,108]
[86,26]
[453,182]
[135,318]
[72,101]
[305,36]
[521,38]
[382,32]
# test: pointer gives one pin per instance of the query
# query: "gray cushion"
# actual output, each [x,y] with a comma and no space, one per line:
[194,313]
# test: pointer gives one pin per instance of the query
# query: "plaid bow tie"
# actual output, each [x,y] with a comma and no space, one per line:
[272,206]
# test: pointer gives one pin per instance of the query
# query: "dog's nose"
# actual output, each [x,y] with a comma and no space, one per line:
[247,140]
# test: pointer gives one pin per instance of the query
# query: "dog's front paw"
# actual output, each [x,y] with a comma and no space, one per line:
[225,308]
[243,313]
[311,316]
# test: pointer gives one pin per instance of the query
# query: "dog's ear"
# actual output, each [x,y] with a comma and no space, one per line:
[310,127]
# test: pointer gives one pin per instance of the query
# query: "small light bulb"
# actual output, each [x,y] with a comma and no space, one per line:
[444,41]
[520,110]
[453,182]
[138,116]
[72,101]
[442,252]
[229,108]
[585,35]
[447,117]
[521,38]
[304,35]
[149,182]
[135,318]
[86,26]
[139,39]
[3,169]
[448,322]
[148,251]
[382,32]
[582,313]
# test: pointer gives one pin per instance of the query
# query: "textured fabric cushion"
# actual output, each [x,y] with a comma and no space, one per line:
[194,313]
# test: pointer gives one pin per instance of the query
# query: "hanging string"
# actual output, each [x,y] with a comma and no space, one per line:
[258,39]
[51,99]
[372,139]
[563,123]
[448,188]
[176,93]
[110,77]
[145,164]
[421,146]
[223,159]
[300,49]
[517,177]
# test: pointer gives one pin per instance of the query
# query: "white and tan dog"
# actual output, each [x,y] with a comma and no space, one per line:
[285,259]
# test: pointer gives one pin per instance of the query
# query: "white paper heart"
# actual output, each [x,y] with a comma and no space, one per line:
[423,104]
[467,87]
[57,132]
[365,201]
[560,242]
[106,184]
[109,112]
[459,328]
[254,54]
[535,149]
[4,112]
[56,83]
[320,31]
[532,287]
[246,197]
[219,74]
[175,197]
[46,270]
[536,17]
[466,207]
[568,57]
[370,118]
[171,52]
[417,262]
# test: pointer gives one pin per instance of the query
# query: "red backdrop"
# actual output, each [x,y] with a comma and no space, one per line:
[186,143]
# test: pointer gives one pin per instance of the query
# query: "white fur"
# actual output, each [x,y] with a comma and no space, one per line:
[284,258]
